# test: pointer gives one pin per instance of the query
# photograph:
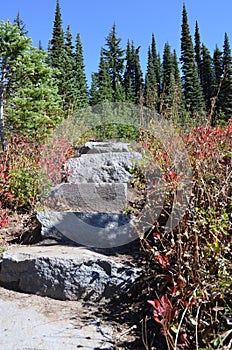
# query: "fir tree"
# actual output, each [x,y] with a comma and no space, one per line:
[171,97]
[67,70]
[156,64]
[191,85]
[21,25]
[138,71]
[114,56]
[176,70]
[82,98]
[94,93]
[129,75]
[218,65]
[56,45]
[167,71]
[197,49]
[101,90]
[151,95]
[133,79]
[13,45]
[207,76]
[225,95]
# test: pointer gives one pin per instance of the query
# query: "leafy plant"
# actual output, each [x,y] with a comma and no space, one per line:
[195,257]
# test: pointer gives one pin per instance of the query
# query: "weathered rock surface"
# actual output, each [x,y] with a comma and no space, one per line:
[99,230]
[88,197]
[102,167]
[65,272]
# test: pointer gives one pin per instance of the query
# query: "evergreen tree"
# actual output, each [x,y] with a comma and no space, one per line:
[82,98]
[67,70]
[94,93]
[168,69]
[33,105]
[101,89]
[225,95]
[28,95]
[218,65]
[133,79]
[114,56]
[56,45]
[171,97]
[12,46]
[40,46]
[191,85]
[21,25]
[138,71]
[129,83]
[156,64]
[207,76]
[197,49]
[176,70]
[151,95]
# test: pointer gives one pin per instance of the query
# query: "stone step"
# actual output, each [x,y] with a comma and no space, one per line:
[65,272]
[88,197]
[98,230]
[102,167]
[102,147]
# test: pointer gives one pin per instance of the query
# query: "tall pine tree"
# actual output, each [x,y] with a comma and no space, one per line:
[133,79]
[191,85]
[21,25]
[82,98]
[101,88]
[114,56]
[56,45]
[197,49]
[207,77]
[151,92]
[225,95]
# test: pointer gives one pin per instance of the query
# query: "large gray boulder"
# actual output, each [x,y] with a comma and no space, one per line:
[102,167]
[65,272]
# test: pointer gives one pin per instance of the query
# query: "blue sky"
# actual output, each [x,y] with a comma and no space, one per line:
[135,20]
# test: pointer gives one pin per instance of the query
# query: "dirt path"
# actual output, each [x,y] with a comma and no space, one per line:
[30,322]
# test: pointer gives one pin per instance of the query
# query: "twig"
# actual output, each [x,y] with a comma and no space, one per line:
[182,318]
[198,310]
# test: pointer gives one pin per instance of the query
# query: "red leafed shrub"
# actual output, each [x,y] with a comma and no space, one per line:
[195,256]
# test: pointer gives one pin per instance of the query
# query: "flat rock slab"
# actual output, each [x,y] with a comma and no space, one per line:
[98,230]
[88,197]
[30,322]
[65,272]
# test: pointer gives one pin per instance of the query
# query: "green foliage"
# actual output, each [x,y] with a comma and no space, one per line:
[34,104]
[151,94]
[191,85]
[82,98]
[225,94]
[114,56]
[133,80]
[56,44]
